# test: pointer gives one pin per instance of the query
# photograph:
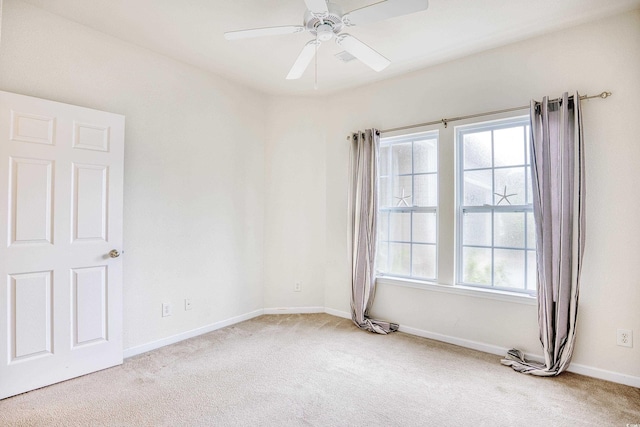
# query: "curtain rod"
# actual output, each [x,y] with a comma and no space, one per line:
[445,122]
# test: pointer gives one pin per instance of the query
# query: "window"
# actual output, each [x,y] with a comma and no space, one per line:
[455,209]
[496,234]
[408,206]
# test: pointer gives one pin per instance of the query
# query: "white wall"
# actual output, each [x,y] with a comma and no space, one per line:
[194,166]
[295,203]
[599,56]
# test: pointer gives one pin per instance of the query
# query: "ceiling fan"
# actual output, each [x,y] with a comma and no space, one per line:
[326,20]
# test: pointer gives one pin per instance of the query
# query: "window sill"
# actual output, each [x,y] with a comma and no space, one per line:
[498,295]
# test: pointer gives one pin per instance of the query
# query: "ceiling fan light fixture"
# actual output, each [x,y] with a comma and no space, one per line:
[324,32]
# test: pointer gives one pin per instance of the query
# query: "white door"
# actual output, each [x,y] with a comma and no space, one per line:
[61,181]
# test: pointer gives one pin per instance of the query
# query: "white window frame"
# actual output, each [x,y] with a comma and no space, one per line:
[461,209]
[447,223]
[403,139]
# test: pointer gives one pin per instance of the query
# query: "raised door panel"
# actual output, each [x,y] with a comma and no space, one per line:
[30,315]
[89,287]
[32,128]
[90,137]
[90,202]
[31,198]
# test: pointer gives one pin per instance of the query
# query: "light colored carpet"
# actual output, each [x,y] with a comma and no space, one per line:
[319,370]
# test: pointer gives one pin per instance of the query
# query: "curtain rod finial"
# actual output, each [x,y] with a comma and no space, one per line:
[605,95]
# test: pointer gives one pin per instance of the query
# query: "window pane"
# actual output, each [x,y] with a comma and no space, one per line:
[425,156]
[508,146]
[476,228]
[477,188]
[477,150]
[424,227]
[400,226]
[382,257]
[508,230]
[402,191]
[383,160]
[508,268]
[383,226]
[426,190]
[476,266]
[399,259]
[531,231]
[384,192]
[532,283]
[424,261]
[401,158]
[509,187]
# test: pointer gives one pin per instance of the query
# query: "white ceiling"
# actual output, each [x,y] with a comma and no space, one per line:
[192,31]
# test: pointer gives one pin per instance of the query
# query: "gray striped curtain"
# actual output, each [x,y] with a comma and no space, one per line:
[363,217]
[558,176]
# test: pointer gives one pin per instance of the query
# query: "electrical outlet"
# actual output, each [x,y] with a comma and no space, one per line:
[297,287]
[166,309]
[625,337]
[187,304]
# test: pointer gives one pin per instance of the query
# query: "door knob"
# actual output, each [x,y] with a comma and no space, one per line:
[114,253]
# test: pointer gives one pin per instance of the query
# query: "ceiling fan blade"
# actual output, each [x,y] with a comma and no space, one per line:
[260,32]
[384,10]
[305,57]
[317,6]
[363,52]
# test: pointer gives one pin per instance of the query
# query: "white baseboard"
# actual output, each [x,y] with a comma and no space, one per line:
[337,313]
[293,310]
[588,371]
[474,345]
[603,374]
[134,351]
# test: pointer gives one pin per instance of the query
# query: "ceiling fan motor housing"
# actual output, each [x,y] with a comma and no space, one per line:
[325,26]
